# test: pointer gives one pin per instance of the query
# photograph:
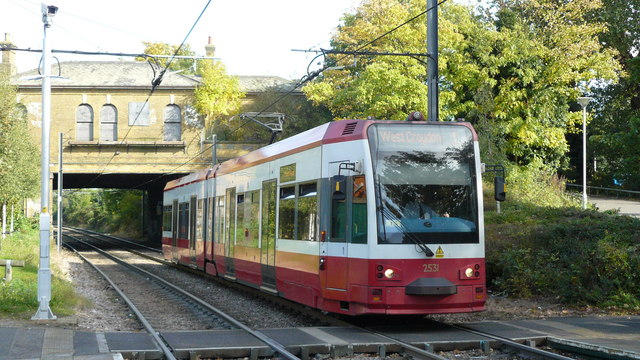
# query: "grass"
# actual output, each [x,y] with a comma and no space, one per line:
[18,298]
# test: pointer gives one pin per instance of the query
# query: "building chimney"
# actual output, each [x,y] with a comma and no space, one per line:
[210,49]
[8,57]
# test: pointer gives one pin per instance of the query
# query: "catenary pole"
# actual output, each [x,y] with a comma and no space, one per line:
[60,185]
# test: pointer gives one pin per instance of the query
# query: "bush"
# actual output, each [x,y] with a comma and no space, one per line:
[578,257]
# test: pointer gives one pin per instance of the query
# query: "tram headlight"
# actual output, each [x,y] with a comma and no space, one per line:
[468,272]
[389,273]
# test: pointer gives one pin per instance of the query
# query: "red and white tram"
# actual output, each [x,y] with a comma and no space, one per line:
[351,217]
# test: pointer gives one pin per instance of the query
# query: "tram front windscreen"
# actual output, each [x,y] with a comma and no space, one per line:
[425,183]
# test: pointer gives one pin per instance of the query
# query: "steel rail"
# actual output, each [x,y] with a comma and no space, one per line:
[95,233]
[515,345]
[409,349]
[168,353]
[279,348]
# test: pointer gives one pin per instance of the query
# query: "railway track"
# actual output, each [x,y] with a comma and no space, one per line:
[148,295]
[345,338]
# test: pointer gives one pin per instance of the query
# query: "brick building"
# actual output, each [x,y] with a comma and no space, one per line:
[115,135]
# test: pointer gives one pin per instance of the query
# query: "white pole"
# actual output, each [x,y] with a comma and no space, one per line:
[584,157]
[11,228]
[4,220]
[44,272]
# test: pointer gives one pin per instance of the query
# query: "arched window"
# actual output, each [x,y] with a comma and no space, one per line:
[84,122]
[172,123]
[108,123]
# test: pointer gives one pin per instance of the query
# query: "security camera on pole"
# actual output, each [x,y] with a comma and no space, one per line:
[44,272]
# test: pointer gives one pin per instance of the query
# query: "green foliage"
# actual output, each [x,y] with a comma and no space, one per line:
[18,298]
[576,256]
[219,96]
[19,157]
[105,210]
[300,115]
[536,184]
[159,48]
[512,74]
[616,125]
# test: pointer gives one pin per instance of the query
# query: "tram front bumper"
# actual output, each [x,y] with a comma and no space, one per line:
[431,286]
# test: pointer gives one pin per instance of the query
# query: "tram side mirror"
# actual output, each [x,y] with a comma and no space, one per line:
[339,183]
[500,192]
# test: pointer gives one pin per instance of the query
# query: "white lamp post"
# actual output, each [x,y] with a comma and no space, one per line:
[44,272]
[584,101]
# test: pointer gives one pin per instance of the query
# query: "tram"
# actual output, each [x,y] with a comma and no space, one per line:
[351,217]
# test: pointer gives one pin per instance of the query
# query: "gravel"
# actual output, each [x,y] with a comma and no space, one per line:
[105,311]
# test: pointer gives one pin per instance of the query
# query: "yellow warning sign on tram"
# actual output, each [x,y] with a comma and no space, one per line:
[439,252]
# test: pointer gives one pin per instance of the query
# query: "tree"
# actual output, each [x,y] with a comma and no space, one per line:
[159,48]
[615,140]
[512,74]
[218,96]
[300,115]
[19,157]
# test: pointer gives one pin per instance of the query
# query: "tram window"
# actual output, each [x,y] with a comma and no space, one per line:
[219,220]
[200,220]
[286,213]
[240,220]
[248,219]
[359,211]
[183,221]
[338,218]
[307,212]
[166,218]
[209,232]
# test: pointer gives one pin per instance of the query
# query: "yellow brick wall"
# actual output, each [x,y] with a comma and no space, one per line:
[131,158]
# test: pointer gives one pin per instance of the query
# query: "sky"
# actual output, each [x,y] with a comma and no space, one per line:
[252,37]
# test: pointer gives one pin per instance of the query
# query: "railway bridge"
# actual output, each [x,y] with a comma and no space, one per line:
[115,133]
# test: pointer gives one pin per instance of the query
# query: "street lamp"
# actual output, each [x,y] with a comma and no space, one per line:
[44,272]
[584,101]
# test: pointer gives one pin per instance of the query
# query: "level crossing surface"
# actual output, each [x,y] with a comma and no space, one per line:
[614,335]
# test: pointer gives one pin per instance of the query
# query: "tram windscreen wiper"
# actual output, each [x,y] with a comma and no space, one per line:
[405,232]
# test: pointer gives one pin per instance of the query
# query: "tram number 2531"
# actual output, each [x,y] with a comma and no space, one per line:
[429,268]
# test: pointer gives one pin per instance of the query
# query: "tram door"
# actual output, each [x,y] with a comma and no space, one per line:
[174,231]
[334,250]
[268,238]
[230,231]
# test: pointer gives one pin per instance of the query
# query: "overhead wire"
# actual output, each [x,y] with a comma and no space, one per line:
[308,77]
[311,75]
[154,84]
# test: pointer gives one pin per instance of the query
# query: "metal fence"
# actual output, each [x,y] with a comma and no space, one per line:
[597,190]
